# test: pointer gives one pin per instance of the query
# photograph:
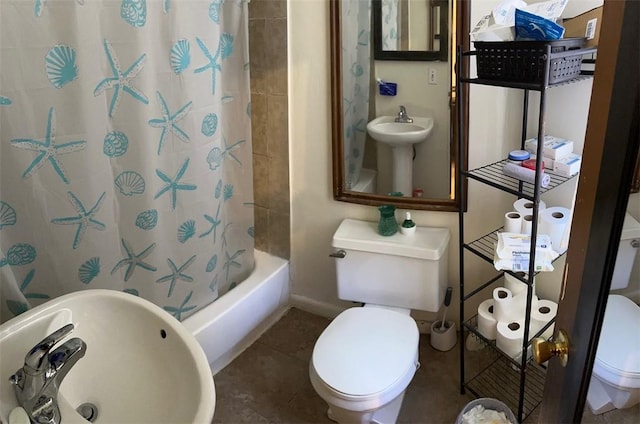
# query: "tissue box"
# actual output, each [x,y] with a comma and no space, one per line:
[530,26]
[553,147]
[567,166]
[499,25]
[585,25]
[488,30]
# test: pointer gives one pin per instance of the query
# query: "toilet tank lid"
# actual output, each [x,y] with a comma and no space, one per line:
[426,243]
[630,228]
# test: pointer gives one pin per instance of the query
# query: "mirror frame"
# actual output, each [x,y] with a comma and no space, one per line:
[453,204]
[417,55]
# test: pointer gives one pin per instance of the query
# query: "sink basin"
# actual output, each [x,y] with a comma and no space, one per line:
[401,137]
[386,130]
[141,364]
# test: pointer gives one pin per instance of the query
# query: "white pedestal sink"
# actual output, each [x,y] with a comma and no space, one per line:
[401,136]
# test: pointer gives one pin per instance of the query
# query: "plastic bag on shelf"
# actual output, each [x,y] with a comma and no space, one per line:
[513,252]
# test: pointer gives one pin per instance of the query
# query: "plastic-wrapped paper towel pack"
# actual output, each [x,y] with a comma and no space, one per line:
[513,252]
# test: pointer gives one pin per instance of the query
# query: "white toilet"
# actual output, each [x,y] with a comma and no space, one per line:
[615,381]
[365,359]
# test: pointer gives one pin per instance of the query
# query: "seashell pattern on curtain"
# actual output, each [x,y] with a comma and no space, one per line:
[125,150]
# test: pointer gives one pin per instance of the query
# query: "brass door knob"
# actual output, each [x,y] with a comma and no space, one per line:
[543,350]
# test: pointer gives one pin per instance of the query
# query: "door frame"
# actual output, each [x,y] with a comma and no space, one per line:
[611,146]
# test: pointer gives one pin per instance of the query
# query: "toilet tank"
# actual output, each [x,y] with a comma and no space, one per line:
[629,243]
[405,271]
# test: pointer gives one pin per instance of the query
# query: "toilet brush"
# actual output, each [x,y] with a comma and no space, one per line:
[447,302]
[443,334]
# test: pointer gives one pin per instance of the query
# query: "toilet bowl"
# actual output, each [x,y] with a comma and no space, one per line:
[364,360]
[346,369]
[615,380]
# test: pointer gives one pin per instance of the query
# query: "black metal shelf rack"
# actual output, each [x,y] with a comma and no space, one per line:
[518,382]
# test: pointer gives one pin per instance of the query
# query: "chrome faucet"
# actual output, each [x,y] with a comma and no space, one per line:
[36,384]
[403,117]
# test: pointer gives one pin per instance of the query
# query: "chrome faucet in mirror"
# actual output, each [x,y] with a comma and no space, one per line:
[402,116]
[36,384]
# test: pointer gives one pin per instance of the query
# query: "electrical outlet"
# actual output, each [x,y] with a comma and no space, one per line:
[433,76]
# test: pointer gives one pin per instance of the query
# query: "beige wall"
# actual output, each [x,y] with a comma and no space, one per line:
[269,112]
[421,99]
[494,128]
[315,215]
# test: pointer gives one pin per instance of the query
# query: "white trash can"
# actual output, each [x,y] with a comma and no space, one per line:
[488,404]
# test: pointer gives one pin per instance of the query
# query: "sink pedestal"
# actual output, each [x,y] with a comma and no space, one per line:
[401,137]
[402,169]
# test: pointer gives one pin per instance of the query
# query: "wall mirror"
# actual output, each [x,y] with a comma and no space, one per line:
[410,29]
[365,87]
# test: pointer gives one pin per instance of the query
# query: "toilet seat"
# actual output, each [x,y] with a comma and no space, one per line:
[618,355]
[366,352]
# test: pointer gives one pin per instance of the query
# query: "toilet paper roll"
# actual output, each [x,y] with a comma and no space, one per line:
[527,224]
[525,206]
[512,222]
[519,306]
[553,222]
[486,321]
[525,174]
[516,286]
[509,337]
[541,314]
[502,304]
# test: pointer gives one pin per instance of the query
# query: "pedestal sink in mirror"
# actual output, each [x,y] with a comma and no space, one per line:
[401,133]
[138,363]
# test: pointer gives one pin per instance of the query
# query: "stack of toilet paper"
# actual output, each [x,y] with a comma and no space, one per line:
[553,221]
[502,318]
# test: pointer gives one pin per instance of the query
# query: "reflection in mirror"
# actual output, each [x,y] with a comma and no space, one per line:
[394,156]
[418,28]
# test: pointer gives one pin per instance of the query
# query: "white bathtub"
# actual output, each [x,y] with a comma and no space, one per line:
[232,323]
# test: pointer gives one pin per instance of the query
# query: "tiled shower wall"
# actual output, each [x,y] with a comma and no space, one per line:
[269,112]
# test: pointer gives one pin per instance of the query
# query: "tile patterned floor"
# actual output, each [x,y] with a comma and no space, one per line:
[269,382]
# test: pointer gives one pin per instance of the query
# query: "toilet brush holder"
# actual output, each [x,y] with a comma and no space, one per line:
[443,338]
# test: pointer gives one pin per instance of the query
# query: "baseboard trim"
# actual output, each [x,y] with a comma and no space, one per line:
[316,307]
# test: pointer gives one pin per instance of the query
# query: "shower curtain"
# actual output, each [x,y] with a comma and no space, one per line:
[125,150]
[356,54]
[390,26]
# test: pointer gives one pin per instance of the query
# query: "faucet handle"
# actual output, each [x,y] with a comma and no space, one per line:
[34,361]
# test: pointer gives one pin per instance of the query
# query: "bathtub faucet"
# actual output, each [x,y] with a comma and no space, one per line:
[36,384]
[403,117]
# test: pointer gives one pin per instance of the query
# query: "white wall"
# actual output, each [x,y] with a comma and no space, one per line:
[494,130]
